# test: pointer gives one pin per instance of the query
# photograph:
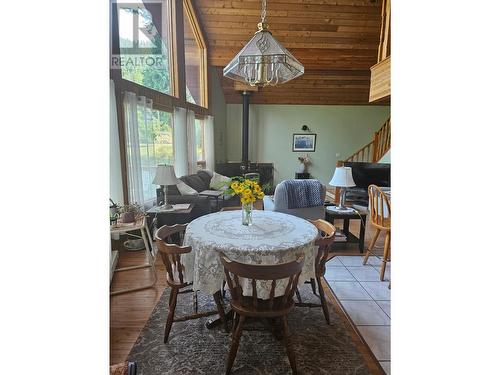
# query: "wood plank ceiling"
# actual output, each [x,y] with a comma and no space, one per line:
[335,40]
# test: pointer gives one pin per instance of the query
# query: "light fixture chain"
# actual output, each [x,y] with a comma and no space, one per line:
[264,12]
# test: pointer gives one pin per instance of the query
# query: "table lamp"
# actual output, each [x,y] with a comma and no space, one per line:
[342,178]
[165,176]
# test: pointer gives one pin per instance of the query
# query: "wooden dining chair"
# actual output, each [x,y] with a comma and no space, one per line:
[169,240]
[252,306]
[327,236]
[380,218]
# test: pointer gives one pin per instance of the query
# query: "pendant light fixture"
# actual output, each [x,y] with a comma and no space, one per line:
[263,61]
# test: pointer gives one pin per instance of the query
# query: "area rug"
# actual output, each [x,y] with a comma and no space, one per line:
[194,349]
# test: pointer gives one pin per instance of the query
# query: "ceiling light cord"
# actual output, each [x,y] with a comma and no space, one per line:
[263,12]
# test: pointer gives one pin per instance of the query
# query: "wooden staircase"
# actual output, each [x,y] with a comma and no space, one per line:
[373,151]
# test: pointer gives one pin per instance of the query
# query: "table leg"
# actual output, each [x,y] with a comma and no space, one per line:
[362,234]
[220,309]
[346,227]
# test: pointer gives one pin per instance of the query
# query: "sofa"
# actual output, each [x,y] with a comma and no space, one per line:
[279,203]
[198,181]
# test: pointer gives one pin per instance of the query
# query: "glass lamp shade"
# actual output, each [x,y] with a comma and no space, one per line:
[263,61]
[342,177]
[165,175]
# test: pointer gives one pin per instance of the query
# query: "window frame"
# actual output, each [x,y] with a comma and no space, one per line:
[200,40]
[168,26]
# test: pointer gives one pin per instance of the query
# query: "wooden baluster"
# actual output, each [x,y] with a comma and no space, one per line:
[230,284]
[179,267]
[239,289]
[168,265]
[271,294]
[287,291]
[254,292]
[375,147]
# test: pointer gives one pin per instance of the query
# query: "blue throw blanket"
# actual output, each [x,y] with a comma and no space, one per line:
[303,193]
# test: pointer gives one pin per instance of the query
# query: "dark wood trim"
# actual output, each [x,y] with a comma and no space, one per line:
[178,38]
[115,74]
[122,141]
[201,41]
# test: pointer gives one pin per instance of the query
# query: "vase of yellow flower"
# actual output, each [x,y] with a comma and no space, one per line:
[246,213]
[248,191]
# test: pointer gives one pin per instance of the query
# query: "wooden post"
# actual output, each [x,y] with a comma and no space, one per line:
[375,147]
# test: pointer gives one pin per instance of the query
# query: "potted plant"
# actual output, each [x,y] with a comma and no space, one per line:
[129,212]
[268,188]
[113,212]
[304,161]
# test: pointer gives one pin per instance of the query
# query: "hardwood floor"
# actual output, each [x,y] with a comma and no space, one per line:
[130,311]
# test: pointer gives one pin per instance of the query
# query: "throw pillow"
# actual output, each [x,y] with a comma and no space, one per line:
[219,182]
[185,189]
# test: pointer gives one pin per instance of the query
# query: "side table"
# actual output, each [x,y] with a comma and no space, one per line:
[346,216]
[169,217]
[213,194]
[138,225]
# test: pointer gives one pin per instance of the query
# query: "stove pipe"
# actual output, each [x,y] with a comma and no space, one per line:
[245,163]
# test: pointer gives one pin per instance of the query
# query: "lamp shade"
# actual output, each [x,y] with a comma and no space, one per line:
[263,61]
[165,175]
[342,177]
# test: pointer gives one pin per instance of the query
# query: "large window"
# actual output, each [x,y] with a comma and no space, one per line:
[195,56]
[156,145]
[200,139]
[145,37]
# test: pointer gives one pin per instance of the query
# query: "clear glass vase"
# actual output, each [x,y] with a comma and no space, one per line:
[246,213]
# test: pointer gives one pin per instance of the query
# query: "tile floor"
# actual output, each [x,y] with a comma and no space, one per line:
[366,300]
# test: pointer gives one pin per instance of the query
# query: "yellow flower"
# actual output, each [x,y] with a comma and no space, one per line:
[239,189]
[257,188]
[247,192]
[260,195]
[245,200]
[234,185]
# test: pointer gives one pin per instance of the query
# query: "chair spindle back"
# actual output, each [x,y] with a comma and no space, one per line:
[169,241]
[234,271]
[380,207]
[327,236]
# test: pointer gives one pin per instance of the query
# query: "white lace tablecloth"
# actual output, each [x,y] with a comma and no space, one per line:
[273,238]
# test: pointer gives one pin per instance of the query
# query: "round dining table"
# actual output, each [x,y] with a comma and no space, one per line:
[273,238]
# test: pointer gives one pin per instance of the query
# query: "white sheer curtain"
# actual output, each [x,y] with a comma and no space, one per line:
[191,142]
[139,136]
[209,143]
[180,142]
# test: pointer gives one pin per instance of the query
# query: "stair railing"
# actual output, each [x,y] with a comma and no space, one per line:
[371,152]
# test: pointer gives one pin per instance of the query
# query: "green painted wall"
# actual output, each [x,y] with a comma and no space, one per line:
[218,107]
[386,158]
[341,130]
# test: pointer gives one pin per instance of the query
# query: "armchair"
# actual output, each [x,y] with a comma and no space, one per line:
[280,202]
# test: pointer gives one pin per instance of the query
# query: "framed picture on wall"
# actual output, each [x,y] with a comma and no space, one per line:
[304,142]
